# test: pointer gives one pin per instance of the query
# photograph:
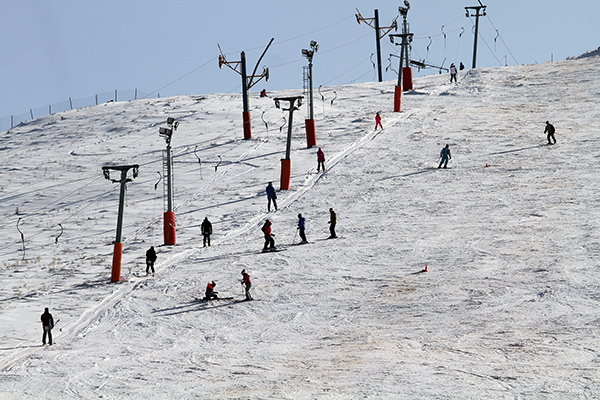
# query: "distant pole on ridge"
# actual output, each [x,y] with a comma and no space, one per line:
[311,136]
[476,9]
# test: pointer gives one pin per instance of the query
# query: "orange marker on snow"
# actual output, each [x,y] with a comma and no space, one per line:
[425,270]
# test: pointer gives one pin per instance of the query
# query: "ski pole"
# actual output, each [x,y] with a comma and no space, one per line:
[294,239]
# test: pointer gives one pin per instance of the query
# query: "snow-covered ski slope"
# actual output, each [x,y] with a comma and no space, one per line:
[509,307]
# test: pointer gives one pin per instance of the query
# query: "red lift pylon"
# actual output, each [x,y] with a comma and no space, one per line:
[247,82]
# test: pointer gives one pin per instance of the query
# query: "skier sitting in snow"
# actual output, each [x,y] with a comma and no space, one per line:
[210,291]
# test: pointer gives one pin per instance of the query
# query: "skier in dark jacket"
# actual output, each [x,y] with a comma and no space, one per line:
[206,229]
[150,259]
[320,160]
[301,226]
[210,291]
[332,223]
[271,197]
[445,156]
[247,284]
[550,131]
[48,325]
[269,241]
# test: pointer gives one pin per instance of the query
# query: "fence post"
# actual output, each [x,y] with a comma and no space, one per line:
[71,103]
[115,95]
[135,96]
[12,125]
[49,110]
[31,112]
[96,99]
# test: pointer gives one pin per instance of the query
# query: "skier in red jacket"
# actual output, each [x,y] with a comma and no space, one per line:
[378,121]
[210,291]
[269,241]
[248,284]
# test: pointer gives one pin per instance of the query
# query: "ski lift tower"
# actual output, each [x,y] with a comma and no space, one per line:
[407,38]
[311,136]
[247,82]
[406,69]
[476,9]
[118,249]
[286,163]
[169,216]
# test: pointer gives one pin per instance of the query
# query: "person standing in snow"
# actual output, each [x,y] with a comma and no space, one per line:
[332,223]
[453,72]
[550,131]
[461,66]
[206,229]
[150,259]
[271,197]
[210,293]
[378,121]
[48,325]
[269,241]
[320,160]
[445,156]
[247,284]
[301,226]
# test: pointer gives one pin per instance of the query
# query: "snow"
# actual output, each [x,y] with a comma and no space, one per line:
[508,307]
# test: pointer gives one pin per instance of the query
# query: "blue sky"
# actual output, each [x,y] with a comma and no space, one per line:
[53,50]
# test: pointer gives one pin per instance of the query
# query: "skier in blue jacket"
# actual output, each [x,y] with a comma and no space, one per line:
[271,197]
[301,226]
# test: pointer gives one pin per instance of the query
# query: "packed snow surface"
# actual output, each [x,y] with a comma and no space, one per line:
[508,307]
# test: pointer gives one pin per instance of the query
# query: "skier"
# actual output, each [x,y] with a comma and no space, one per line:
[248,284]
[445,156]
[453,72]
[269,241]
[150,259]
[263,93]
[320,160]
[461,66]
[210,291]
[271,197]
[301,226]
[48,325]
[550,130]
[378,121]
[206,229]
[332,223]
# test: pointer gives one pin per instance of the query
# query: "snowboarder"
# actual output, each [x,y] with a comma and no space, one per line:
[271,197]
[378,121]
[320,160]
[48,325]
[332,223]
[263,93]
[210,291]
[445,156]
[301,226]
[269,241]
[550,131]
[206,229]
[150,259]
[248,284]
[453,72]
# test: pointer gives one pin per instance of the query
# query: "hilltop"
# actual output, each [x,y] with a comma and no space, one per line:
[508,307]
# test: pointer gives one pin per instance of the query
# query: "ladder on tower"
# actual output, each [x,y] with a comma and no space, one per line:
[306,85]
[166,180]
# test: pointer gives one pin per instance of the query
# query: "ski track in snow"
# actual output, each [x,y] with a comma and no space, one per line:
[508,307]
